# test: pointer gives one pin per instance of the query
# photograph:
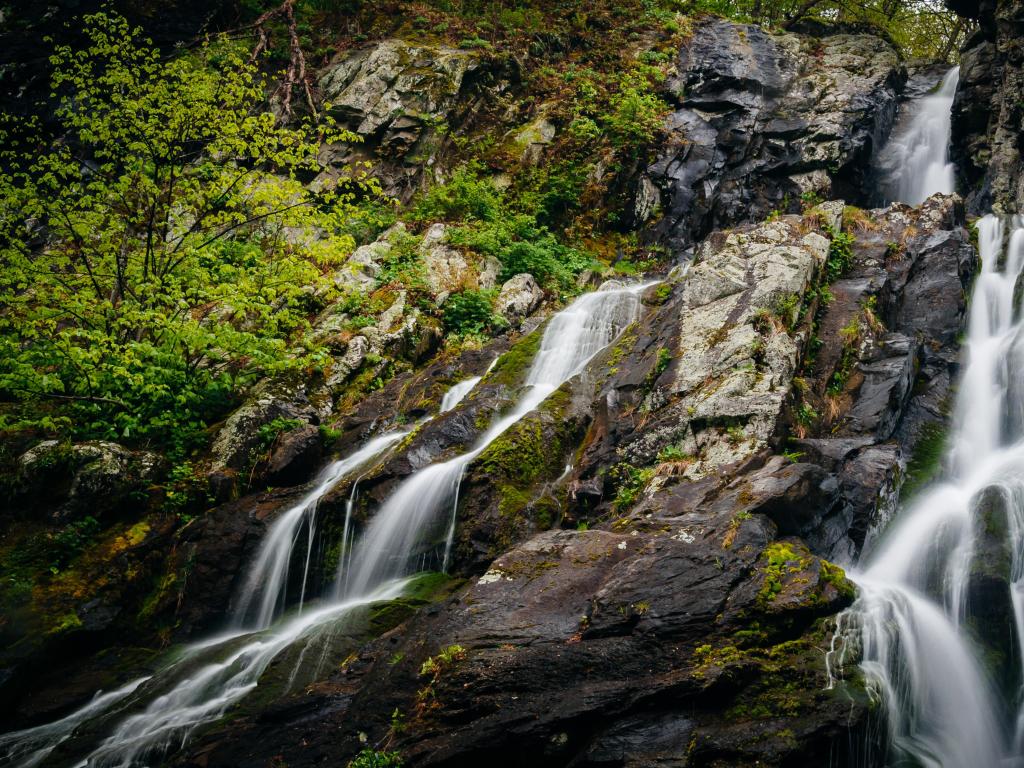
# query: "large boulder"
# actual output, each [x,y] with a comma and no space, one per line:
[73,480]
[762,119]
[519,298]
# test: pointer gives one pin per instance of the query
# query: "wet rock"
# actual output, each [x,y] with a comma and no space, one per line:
[711,373]
[987,118]
[763,118]
[519,297]
[989,604]
[235,445]
[294,456]
[569,651]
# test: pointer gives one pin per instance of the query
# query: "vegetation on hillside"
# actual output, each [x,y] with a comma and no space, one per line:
[159,257]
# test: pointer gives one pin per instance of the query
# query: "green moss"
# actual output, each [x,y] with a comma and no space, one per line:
[926,458]
[520,454]
[836,576]
[511,368]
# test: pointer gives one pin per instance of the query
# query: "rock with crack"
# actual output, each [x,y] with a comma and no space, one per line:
[762,119]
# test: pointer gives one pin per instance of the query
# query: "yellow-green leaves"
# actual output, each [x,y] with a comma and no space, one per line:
[165,250]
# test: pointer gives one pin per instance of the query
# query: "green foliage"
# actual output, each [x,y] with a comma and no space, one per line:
[635,113]
[840,255]
[267,434]
[470,313]
[673,453]
[72,540]
[466,196]
[372,758]
[920,28]
[160,259]
[630,483]
[521,245]
[662,361]
[806,415]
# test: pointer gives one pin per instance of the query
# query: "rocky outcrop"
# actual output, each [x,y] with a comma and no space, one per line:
[519,297]
[567,652]
[988,117]
[762,119]
[395,96]
[564,649]
[844,365]
[98,479]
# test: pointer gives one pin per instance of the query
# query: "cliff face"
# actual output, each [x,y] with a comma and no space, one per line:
[643,569]
[988,115]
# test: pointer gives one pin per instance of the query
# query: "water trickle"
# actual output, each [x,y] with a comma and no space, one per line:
[419,504]
[915,164]
[208,678]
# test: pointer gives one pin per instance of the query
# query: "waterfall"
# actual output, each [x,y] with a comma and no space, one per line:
[208,678]
[918,619]
[265,589]
[572,338]
[914,164]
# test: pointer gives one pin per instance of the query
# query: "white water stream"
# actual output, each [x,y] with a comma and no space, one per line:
[915,161]
[208,678]
[925,655]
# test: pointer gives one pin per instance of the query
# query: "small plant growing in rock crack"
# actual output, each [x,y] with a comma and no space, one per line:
[434,668]
[735,435]
[373,758]
[840,255]
[661,362]
[673,460]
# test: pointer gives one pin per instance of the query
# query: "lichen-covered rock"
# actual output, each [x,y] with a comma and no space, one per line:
[519,297]
[395,94]
[723,370]
[395,87]
[763,118]
[97,478]
[233,449]
[533,139]
[447,269]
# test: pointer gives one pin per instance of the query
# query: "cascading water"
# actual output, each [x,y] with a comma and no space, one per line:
[925,650]
[915,162]
[188,694]
[573,337]
[265,592]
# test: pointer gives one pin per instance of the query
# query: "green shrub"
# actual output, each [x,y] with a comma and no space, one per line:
[469,312]
[465,196]
[635,113]
[372,758]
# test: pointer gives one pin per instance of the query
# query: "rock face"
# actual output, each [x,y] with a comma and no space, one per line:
[394,95]
[563,648]
[988,120]
[854,368]
[519,298]
[761,119]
